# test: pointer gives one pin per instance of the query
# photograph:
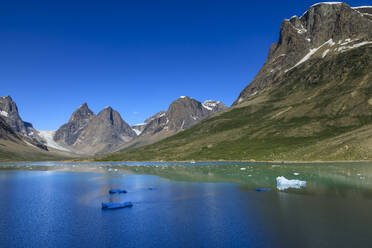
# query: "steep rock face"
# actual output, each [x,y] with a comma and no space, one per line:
[6,132]
[182,114]
[103,133]
[68,133]
[24,130]
[9,112]
[325,29]
[139,128]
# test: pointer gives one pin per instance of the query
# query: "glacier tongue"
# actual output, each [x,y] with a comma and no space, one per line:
[48,137]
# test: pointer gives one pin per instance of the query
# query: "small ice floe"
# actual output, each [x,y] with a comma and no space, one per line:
[118,191]
[283,183]
[296,174]
[262,189]
[116,170]
[275,166]
[112,205]
[249,175]
[358,174]
[109,169]
[243,169]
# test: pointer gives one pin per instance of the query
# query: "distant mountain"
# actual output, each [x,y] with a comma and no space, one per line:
[19,141]
[68,133]
[104,133]
[139,128]
[86,133]
[9,113]
[182,114]
[311,100]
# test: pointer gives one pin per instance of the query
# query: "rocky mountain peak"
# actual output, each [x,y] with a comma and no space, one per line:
[182,113]
[68,133]
[9,111]
[83,112]
[104,132]
[325,29]
[10,115]
[108,115]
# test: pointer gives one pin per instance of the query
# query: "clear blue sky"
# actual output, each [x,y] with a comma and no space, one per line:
[136,56]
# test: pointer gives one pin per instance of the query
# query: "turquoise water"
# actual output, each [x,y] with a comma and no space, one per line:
[54,205]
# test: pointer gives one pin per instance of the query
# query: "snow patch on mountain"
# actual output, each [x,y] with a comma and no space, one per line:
[4,113]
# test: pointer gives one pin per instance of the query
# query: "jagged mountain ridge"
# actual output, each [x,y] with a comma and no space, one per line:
[87,133]
[182,114]
[68,133]
[104,133]
[24,130]
[324,29]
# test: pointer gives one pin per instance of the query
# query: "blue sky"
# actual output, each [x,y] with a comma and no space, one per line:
[136,56]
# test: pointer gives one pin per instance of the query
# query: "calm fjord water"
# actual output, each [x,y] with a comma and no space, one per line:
[56,208]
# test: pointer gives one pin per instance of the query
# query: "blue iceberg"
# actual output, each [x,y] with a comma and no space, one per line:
[118,191]
[113,205]
[262,189]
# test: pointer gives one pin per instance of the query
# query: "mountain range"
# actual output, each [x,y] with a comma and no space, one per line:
[87,134]
[311,100]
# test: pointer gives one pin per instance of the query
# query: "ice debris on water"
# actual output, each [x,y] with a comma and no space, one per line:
[262,189]
[296,173]
[283,183]
[243,169]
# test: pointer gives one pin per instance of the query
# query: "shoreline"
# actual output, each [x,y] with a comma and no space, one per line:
[198,161]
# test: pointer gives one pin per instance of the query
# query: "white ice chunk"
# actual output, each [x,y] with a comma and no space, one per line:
[283,183]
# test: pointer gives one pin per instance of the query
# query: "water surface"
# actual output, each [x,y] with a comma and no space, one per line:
[191,205]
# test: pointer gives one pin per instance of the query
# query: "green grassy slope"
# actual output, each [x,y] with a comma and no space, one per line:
[11,151]
[320,110]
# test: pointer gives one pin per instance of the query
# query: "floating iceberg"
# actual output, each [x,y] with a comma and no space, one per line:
[112,205]
[119,191]
[283,183]
[262,189]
